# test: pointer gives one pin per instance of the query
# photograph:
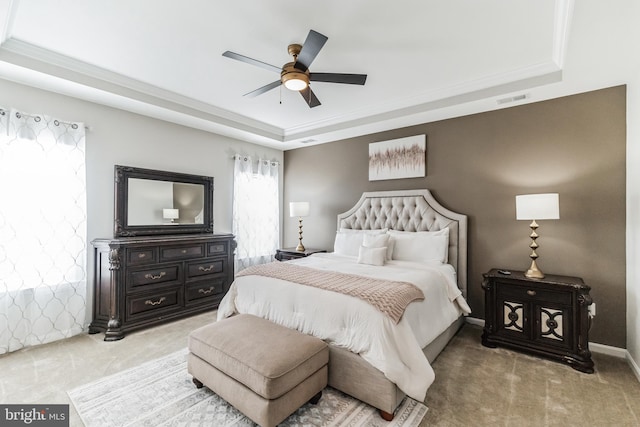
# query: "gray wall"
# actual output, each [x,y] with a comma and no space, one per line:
[120,137]
[574,146]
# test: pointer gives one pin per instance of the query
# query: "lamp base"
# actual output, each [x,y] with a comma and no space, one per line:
[300,247]
[533,272]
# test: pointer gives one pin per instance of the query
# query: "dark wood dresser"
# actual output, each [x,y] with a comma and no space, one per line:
[144,281]
[546,317]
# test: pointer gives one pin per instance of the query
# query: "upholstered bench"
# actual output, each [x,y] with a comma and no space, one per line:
[264,370]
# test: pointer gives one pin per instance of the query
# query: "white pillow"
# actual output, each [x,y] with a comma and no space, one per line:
[421,246]
[348,241]
[372,256]
[379,241]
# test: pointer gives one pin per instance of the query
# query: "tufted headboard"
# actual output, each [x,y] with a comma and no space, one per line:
[411,210]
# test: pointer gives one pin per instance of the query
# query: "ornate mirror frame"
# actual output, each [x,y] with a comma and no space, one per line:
[122,228]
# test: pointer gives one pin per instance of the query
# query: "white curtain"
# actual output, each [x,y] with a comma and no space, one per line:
[256,214]
[42,229]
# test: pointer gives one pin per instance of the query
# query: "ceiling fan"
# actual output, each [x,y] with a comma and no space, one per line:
[296,75]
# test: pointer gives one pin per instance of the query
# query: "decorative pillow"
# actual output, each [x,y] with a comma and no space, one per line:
[421,246]
[348,241]
[372,256]
[379,241]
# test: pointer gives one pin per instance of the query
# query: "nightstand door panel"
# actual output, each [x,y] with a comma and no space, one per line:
[553,325]
[513,318]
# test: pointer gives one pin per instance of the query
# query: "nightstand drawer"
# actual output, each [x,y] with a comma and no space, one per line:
[532,291]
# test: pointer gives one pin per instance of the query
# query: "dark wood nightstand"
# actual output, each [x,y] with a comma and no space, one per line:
[546,317]
[291,253]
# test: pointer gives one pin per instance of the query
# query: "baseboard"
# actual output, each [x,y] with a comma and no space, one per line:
[474,321]
[634,366]
[608,350]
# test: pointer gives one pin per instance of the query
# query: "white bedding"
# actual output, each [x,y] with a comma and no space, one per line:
[394,349]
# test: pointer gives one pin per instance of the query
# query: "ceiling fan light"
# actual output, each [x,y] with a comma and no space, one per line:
[295,84]
[294,79]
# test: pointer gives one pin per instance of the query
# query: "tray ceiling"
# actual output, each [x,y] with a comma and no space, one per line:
[424,59]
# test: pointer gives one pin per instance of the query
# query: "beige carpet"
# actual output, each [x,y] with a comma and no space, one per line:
[160,393]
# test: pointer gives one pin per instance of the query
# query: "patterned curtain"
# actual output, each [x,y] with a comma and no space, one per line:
[42,229]
[256,214]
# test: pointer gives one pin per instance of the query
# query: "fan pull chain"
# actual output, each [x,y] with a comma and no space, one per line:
[280,94]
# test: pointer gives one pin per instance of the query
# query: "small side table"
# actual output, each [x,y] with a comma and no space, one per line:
[546,317]
[291,253]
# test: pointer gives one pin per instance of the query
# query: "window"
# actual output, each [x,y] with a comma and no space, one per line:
[42,230]
[256,215]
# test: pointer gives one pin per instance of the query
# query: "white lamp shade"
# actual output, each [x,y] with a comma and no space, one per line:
[298,208]
[170,213]
[538,206]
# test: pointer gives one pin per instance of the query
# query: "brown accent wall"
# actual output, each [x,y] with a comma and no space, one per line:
[476,165]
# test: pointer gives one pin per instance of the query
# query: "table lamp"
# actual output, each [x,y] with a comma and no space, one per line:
[299,209]
[170,214]
[536,207]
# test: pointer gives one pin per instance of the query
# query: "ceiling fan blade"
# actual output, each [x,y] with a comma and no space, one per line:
[310,97]
[350,79]
[251,61]
[310,49]
[263,89]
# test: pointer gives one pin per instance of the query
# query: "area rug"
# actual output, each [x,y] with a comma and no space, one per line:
[161,393]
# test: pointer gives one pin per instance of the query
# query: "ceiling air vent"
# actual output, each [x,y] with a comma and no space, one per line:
[513,98]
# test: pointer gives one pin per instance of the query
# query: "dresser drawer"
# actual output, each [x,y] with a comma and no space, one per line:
[205,290]
[171,253]
[153,276]
[155,303]
[217,248]
[139,256]
[529,292]
[205,268]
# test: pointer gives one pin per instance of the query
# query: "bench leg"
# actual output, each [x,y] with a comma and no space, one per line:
[386,416]
[315,399]
[197,383]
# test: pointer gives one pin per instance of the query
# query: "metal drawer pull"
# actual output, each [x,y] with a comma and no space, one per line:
[142,255]
[206,291]
[160,301]
[531,293]
[152,277]
[201,268]
[184,251]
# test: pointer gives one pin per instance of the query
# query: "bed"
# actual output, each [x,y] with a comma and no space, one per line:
[395,361]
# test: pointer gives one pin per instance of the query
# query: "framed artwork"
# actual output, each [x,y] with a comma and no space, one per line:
[398,158]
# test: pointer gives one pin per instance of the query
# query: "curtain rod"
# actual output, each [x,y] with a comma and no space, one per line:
[37,118]
[239,156]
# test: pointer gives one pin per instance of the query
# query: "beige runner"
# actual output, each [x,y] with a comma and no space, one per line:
[388,296]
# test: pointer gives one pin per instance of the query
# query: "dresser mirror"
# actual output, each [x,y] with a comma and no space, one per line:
[154,202]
